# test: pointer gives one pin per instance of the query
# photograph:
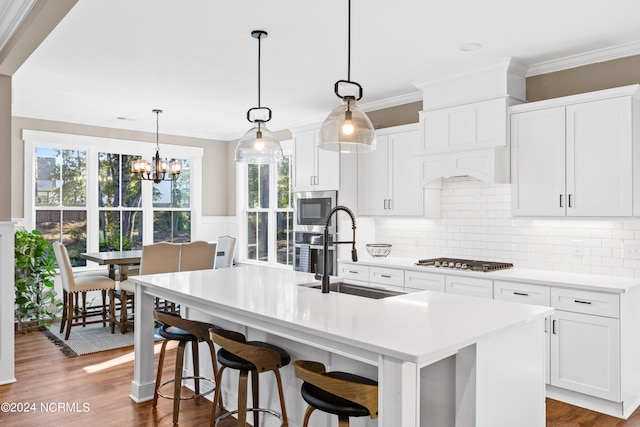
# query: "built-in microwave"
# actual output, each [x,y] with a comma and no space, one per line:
[312,208]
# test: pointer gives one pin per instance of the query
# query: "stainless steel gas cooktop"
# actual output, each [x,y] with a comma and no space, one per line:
[464,264]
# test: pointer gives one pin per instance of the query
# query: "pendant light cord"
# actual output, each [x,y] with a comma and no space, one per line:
[259,44]
[349,42]
[157,131]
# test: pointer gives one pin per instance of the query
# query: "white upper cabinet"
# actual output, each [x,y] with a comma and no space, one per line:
[315,169]
[389,177]
[574,159]
[538,162]
[470,126]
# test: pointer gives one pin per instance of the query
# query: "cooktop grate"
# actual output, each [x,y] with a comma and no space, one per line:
[464,264]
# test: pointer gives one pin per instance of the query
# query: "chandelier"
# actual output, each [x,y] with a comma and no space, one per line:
[161,170]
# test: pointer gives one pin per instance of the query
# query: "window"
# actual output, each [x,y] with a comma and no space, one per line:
[119,204]
[171,208]
[87,197]
[269,211]
[61,198]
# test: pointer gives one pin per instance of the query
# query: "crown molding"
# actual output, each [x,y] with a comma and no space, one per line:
[11,17]
[392,102]
[592,57]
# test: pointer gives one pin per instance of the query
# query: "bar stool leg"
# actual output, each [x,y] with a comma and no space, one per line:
[285,421]
[242,398]
[104,308]
[124,317]
[159,374]
[196,366]
[255,391]
[217,397]
[112,310]
[65,303]
[177,385]
[84,309]
[70,314]
[307,415]
[343,421]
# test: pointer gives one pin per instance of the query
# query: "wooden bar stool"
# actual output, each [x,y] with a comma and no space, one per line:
[248,356]
[173,327]
[339,393]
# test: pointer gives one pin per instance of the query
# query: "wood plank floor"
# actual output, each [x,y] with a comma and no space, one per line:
[102,381]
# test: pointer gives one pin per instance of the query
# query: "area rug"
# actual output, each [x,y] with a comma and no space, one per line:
[90,339]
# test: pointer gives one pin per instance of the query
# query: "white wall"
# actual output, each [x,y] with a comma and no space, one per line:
[476,223]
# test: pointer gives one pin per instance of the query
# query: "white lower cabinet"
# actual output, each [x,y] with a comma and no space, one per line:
[354,271]
[469,286]
[386,276]
[585,342]
[422,281]
[585,354]
[529,294]
[592,347]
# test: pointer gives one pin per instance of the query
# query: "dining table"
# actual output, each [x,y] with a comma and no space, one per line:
[122,259]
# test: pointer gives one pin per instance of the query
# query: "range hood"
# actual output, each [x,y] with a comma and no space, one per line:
[490,165]
[465,122]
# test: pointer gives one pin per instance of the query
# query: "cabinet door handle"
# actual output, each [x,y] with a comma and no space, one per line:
[317,180]
[390,204]
[546,325]
[384,202]
[569,200]
[582,302]
[553,327]
[311,180]
[561,200]
[521,293]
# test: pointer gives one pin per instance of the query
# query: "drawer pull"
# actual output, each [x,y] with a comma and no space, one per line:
[521,293]
[581,302]
[386,276]
[354,272]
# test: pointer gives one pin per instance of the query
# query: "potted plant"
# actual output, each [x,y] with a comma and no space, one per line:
[35,303]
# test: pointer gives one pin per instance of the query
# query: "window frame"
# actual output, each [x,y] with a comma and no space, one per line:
[94,145]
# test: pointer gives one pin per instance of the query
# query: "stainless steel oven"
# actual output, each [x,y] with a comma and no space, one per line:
[312,207]
[309,253]
[311,210]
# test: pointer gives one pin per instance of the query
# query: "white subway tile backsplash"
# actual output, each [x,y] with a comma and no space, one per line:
[476,222]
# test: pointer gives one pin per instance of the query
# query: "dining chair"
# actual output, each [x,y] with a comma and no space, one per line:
[226,249]
[160,257]
[198,255]
[80,284]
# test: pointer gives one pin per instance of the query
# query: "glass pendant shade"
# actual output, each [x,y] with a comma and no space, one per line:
[348,130]
[258,146]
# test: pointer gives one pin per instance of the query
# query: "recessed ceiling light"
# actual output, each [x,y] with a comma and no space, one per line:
[470,47]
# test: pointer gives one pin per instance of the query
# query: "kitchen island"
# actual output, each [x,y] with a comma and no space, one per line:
[496,347]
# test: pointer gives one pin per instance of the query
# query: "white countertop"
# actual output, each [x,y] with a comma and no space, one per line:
[421,327]
[591,282]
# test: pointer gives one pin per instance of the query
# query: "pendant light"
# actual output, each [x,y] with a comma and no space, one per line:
[144,170]
[347,129]
[258,145]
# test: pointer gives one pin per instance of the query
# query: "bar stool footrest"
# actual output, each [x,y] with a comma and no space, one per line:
[266,411]
[208,381]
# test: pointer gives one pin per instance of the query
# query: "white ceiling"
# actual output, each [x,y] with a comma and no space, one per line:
[196,60]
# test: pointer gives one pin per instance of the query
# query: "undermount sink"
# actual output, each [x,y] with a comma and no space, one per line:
[361,291]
